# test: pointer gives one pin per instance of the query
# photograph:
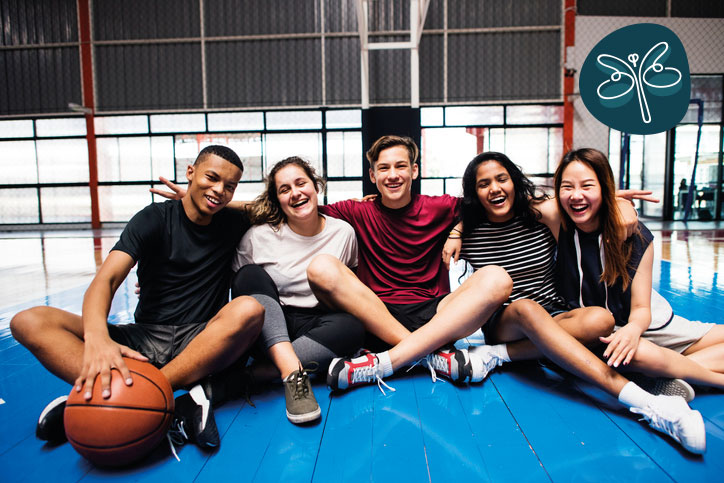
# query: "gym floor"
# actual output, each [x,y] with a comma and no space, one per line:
[526,422]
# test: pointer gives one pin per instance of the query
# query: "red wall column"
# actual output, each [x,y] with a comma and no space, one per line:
[569,40]
[86,67]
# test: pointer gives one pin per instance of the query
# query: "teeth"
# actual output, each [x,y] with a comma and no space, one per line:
[579,207]
[297,205]
[497,201]
[213,200]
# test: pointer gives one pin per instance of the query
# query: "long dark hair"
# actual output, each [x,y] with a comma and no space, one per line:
[617,252]
[266,208]
[472,210]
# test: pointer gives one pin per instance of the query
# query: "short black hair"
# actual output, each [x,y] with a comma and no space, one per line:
[224,152]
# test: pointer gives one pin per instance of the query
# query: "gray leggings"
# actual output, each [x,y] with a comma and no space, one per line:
[316,334]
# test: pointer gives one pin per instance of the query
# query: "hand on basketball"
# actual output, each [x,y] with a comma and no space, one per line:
[451,250]
[622,345]
[177,191]
[101,355]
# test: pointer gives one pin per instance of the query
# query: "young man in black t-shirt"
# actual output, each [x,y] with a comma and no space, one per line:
[184,324]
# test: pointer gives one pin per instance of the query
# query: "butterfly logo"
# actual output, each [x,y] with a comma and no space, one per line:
[650,74]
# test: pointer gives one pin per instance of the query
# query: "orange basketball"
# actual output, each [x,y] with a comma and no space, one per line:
[128,425]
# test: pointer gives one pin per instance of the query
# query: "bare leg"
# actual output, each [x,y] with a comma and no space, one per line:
[654,360]
[338,287]
[226,337]
[709,350]
[586,325]
[526,318]
[459,314]
[54,337]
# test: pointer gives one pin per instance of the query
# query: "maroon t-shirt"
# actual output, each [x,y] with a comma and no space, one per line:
[400,251]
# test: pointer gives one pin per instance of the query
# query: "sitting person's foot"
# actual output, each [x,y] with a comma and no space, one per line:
[454,364]
[671,415]
[302,406]
[347,372]
[50,426]
[664,385]
[485,359]
[195,417]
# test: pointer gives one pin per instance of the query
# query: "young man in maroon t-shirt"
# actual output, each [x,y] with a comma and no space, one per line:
[401,292]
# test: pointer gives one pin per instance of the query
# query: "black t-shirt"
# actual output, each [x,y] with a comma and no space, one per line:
[591,291]
[184,269]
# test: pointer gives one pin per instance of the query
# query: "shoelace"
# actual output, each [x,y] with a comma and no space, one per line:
[176,436]
[656,421]
[433,362]
[300,385]
[370,374]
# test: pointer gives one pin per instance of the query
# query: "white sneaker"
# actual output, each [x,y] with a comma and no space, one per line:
[482,361]
[671,415]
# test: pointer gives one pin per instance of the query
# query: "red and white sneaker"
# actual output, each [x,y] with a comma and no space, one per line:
[346,372]
[453,364]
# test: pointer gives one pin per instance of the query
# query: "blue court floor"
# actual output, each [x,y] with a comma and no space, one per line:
[526,422]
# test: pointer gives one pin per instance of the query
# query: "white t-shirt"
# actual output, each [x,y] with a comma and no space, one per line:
[285,256]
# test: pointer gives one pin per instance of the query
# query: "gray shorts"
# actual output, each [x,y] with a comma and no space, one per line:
[679,334]
[160,343]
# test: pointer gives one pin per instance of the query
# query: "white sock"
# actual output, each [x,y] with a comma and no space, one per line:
[501,351]
[632,396]
[385,363]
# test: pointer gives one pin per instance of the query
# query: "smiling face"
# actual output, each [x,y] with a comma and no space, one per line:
[580,195]
[495,191]
[212,182]
[393,173]
[297,194]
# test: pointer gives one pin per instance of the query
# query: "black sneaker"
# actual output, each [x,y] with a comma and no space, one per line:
[302,407]
[196,417]
[50,424]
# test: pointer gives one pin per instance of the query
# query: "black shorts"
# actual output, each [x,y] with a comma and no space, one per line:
[411,316]
[494,319]
[160,343]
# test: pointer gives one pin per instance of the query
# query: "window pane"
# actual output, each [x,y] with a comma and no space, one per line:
[534,114]
[432,187]
[496,140]
[246,145]
[70,126]
[121,125]
[473,116]
[614,153]
[178,123]
[18,162]
[431,116]
[16,129]
[248,191]
[454,186]
[293,120]
[120,203]
[343,190]
[65,205]
[654,167]
[528,148]
[19,205]
[124,159]
[344,154]
[305,145]
[162,157]
[63,161]
[236,121]
[555,148]
[349,118]
[447,151]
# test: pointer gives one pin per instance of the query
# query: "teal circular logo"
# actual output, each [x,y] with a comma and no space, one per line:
[636,79]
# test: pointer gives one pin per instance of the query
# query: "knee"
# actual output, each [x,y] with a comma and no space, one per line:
[324,272]
[251,279]
[598,322]
[526,312]
[248,316]
[27,323]
[494,282]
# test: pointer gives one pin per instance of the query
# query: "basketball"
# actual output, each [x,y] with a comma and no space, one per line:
[128,425]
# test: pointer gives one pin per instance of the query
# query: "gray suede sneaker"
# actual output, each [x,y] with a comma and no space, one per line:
[302,407]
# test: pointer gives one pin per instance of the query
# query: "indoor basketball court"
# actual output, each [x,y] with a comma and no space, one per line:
[101,98]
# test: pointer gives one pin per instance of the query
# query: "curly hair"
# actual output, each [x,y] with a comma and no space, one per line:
[266,208]
[472,211]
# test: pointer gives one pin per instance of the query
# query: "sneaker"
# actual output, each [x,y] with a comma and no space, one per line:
[453,364]
[483,360]
[665,386]
[193,409]
[671,415]
[345,372]
[302,407]
[50,424]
